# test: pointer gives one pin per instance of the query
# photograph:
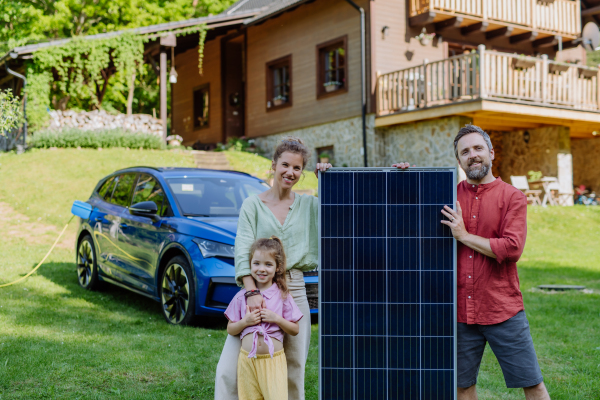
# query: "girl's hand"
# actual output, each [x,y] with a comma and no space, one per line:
[402,165]
[322,167]
[269,316]
[252,317]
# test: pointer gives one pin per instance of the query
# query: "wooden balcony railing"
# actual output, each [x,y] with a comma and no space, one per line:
[492,75]
[553,16]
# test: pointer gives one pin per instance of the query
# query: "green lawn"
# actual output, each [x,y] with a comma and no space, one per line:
[58,341]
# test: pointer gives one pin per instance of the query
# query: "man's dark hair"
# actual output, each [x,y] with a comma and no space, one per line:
[467,129]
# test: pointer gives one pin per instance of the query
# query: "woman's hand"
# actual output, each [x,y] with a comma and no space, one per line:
[402,165]
[256,302]
[322,167]
[269,316]
[252,317]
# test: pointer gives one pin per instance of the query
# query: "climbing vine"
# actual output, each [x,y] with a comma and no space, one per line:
[79,71]
[10,111]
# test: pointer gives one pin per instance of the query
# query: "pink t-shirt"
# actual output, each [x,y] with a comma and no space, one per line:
[286,308]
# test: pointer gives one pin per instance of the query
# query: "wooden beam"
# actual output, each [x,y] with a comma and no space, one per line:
[422,19]
[453,22]
[523,37]
[590,11]
[546,42]
[478,27]
[568,45]
[506,31]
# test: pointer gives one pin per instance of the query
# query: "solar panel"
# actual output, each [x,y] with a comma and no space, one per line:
[387,284]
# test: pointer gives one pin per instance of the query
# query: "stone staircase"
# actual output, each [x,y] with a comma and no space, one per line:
[210,160]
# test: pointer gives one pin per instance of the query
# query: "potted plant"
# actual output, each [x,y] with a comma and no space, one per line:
[558,66]
[332,86]
[174,140]
[586,72]
[425,37]
[279,100]
[523,62]
[324,157]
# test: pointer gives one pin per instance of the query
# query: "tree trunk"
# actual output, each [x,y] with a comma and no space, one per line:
[130,96]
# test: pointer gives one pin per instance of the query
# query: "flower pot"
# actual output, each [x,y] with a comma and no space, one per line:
[324,160]
[587,73]
[278,102]
[523,63]
[424,41]
[556,67]
[331,88]
[174,142]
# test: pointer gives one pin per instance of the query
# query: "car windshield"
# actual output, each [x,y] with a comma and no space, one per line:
[213,197]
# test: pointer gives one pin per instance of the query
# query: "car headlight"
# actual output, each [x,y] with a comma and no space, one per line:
[209,248]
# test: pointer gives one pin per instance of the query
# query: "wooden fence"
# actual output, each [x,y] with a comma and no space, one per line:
[502,76]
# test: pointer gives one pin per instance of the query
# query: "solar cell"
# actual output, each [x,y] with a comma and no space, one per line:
[387,284]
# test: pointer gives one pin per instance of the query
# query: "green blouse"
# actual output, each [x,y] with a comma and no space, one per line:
[299,233]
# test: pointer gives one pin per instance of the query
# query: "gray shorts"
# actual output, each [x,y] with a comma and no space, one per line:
[511,343]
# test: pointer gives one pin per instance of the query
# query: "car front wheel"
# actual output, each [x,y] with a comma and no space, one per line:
[87,267]
[177,292]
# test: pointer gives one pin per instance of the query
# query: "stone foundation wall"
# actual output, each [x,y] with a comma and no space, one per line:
[427,143]
[540,154]
[345,136]
[586,163]
[100,119]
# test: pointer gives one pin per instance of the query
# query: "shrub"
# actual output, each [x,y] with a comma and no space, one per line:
[95,139]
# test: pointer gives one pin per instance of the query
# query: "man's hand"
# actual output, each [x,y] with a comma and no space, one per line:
[269,316]
[455,222]
[402,165]
[252,317]
[322,167]
[256,302]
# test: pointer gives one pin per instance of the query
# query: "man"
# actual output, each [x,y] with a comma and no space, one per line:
[490,225]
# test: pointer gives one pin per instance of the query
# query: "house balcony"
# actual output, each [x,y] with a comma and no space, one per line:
[542,21]
[499,91]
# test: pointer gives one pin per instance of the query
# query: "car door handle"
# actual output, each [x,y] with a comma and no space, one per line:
[122,226]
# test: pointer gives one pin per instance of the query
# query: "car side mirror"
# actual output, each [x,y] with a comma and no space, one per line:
[144,209]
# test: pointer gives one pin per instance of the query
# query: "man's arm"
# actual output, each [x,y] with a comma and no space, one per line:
[456,223]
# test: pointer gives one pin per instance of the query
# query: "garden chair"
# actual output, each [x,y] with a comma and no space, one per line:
[533,196]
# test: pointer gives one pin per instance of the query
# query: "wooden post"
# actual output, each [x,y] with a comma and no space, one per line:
[424,83]
[598,88]
[544,77]
[163,91]
[481,51]
[484,9]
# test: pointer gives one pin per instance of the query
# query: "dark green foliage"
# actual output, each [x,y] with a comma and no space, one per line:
[95,139]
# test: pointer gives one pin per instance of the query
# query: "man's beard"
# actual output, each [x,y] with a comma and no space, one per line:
[478,174]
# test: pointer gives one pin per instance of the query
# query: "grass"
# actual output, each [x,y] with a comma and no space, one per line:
[58,341]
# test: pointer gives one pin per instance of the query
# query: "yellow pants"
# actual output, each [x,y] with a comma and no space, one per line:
[262,377]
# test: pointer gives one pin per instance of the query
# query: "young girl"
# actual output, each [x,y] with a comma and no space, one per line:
[262,366]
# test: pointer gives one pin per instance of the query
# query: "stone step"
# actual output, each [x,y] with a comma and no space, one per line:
[210,160]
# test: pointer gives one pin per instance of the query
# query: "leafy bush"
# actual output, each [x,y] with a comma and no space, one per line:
[238,144]
[95,139]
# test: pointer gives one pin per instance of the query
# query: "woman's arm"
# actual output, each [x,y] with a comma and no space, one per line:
[291,328]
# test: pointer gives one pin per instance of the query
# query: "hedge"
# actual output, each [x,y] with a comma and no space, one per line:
[95,139]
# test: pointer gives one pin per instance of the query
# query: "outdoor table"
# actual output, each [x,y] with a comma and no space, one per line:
[548,184]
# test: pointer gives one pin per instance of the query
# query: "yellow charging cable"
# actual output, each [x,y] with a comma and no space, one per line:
[44,259]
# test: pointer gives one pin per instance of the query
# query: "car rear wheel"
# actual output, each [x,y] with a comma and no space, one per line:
[87,268]
[177,292]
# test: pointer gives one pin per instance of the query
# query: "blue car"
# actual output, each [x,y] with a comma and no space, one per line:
[169,234]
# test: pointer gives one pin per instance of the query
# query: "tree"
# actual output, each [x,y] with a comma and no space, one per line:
[10,111]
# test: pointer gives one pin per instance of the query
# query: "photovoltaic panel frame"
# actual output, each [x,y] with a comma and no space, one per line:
[387,284]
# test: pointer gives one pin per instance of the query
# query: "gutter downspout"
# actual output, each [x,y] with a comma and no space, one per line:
[16,74]
[363,80]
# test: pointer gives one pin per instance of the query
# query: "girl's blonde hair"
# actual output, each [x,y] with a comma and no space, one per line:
[274,247]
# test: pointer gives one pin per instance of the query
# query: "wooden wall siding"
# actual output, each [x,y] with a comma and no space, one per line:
[299,32]
[399,49]
[183,93]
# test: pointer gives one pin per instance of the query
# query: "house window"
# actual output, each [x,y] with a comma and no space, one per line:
[201,106]
[332,72]
[279,83]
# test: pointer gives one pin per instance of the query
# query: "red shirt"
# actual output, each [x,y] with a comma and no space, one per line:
[488,289]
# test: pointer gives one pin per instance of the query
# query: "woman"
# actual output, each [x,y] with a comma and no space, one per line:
[294,219]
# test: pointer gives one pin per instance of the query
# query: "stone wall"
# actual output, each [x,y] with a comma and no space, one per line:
[100,119]
[345,136]
[539,154]
[426,143]
[586,163]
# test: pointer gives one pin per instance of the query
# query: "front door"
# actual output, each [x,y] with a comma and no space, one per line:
[233,83]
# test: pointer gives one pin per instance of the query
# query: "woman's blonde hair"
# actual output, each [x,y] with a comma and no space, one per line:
[274,247]
[294,145]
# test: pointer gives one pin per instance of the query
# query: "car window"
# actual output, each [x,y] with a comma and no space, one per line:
[122,193]
[106,190]
[213,196]
[148,189]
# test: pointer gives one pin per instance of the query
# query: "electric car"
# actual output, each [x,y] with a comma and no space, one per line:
[168,234]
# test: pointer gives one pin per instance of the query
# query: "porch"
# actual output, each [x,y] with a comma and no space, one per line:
[499,91]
